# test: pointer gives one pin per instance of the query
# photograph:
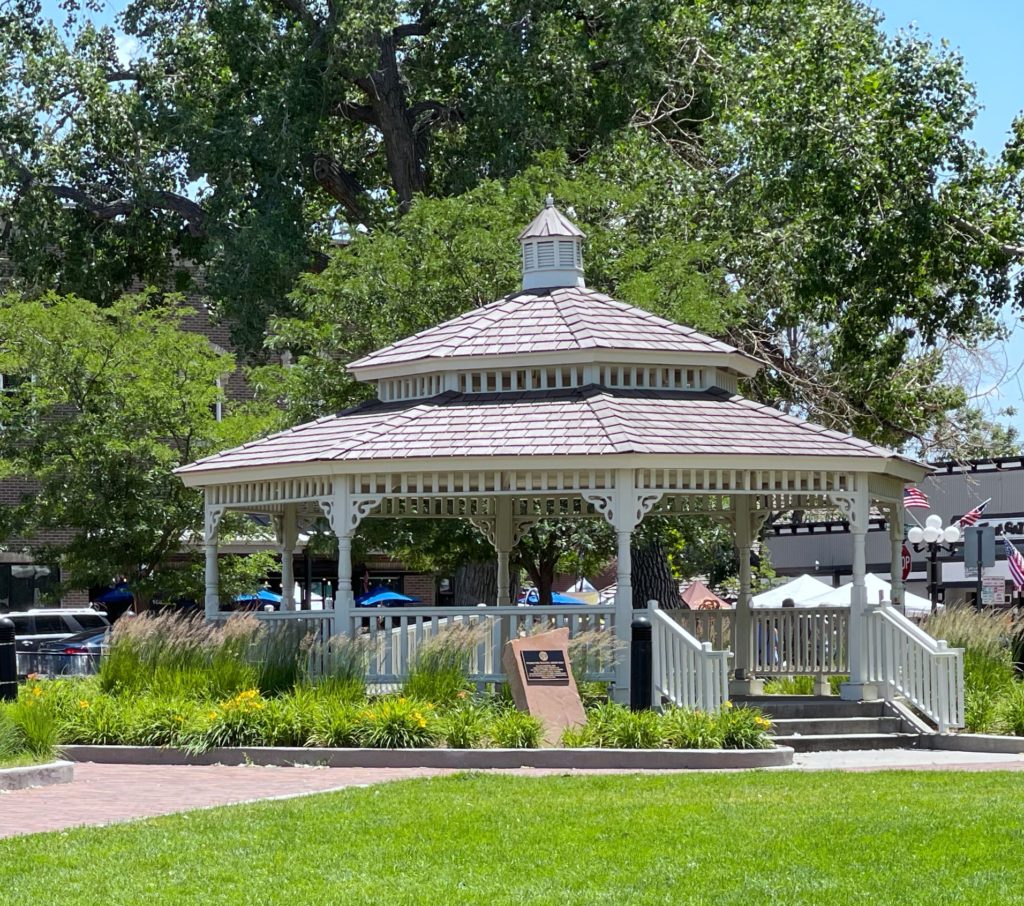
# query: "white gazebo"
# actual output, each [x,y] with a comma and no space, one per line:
[560,402]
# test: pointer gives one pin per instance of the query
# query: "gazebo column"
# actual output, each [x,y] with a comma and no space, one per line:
[287,535]
[503,544]
[212,514]
[344,510]
[744,682]
[894,516]
[855,505]
[625,509]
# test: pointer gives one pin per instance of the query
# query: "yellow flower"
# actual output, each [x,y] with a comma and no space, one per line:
[83,704]
[37,691]
[423,722]
[212,715]
[728,704]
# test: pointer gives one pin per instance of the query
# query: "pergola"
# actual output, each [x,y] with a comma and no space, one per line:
[558,402]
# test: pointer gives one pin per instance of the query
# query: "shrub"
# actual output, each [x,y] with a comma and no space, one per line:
[280,655]
[1010,711]
[789,685]
[515,730]
[336,724]
[744,728]
[398,723]
[835,682]
[686,729]
[238,721]
[35,719]
[578,737]
[440,668]
[621,728]
[465,727]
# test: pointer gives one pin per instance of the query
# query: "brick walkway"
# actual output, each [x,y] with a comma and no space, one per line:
[104,793]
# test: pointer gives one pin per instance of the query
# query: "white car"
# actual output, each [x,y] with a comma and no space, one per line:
[32,627]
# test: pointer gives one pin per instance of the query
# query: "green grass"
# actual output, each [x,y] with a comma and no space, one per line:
[22,761]
[821,838]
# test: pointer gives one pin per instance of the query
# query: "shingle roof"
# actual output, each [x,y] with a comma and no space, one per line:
[550,222]
[548,320]
[585,421]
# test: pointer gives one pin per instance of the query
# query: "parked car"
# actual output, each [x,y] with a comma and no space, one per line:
[76,655]
[87,644]
[33,627]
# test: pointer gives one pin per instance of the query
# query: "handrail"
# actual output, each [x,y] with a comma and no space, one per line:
[689,673]
[904,660]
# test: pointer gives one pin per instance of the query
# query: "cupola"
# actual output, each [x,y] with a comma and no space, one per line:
[552,250]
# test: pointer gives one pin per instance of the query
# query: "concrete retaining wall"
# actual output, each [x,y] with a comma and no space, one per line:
[974,742]
[461,759]
[36,775]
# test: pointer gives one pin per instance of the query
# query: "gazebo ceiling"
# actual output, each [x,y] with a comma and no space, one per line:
[558,321]
[582,422]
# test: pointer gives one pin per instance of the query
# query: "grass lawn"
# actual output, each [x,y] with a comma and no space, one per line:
[23,761]
[757,838]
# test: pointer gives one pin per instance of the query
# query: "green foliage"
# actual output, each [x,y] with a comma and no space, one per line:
[439,671]
[686,729]
[515,730]
[341,665]
[35,724]
[107,403]
[398,723]
[467,725]
[1011,710]
[744,728]
[789,685]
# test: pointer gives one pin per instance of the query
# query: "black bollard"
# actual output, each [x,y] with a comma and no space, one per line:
[8,662]
[641,657]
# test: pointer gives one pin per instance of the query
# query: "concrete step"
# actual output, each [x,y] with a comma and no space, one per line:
[835,726]
[797,707]
[849,742]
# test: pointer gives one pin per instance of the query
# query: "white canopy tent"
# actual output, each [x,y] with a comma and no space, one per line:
[878,589]
[803,590]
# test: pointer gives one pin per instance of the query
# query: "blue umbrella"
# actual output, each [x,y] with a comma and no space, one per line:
[120,594]
[383,597]
[263,596]
[533,597]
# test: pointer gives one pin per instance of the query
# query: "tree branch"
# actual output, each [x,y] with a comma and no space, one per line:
[191,211]
[340,184]
[299,9]
[360,113]
[1011,250]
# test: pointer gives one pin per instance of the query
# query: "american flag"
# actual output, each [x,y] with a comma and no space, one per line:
[1016,563]
[912,497]
[973,516]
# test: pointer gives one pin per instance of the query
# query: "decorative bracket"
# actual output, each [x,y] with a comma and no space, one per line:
[520,527]
[486,526]
[345,520]
[640,503]
[211,522]
[854,508]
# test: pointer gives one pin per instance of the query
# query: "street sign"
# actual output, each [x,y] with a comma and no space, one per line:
[908,563]
[992,590]
[979,548]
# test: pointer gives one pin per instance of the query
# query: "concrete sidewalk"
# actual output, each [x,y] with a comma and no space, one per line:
[105,794]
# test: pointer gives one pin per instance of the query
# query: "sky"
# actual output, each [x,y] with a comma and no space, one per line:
[990,36]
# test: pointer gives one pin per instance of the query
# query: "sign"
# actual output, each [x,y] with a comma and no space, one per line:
[908,563]
[545,667]
[992,590]
[979,548]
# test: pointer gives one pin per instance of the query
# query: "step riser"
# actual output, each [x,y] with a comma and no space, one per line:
[818,710]
[847,743]
[834,727]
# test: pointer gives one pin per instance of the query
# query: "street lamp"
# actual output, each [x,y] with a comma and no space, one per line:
[935,537]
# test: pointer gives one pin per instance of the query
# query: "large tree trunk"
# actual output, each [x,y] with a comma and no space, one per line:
[652,578]
[476,583]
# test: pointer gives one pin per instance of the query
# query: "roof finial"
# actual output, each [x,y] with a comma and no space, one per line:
[549,202]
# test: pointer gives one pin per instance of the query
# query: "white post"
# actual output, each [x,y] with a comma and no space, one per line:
[745,683]
[344,597]
[287,540]
[895,514]
[623,612]
[503,530]
[211,524]
[856,506]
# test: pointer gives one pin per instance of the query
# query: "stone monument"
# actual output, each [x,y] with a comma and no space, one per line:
[541,680]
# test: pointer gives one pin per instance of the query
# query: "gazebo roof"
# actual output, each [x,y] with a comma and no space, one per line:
[558,320]
[586,421]
[550,222]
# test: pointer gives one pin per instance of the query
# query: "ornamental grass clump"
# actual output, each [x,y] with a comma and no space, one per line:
[237,721]
[617,727]
[789,685]
[279,654]
[35,719]
[338,667]
[440,667]
[988,661]
[744,728]
[466,725]
[336,725]
[398,723]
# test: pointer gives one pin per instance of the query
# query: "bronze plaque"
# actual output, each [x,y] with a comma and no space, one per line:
[545,668]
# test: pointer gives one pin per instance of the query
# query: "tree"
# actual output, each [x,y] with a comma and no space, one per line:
[101,405]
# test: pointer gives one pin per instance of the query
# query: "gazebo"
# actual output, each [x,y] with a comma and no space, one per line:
[557,401]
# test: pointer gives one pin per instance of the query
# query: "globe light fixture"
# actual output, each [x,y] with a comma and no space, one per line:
[933,536]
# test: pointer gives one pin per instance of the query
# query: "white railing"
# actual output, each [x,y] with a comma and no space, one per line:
[791,641]
[396,633]
[687,672]
[714,626]
[904,660]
